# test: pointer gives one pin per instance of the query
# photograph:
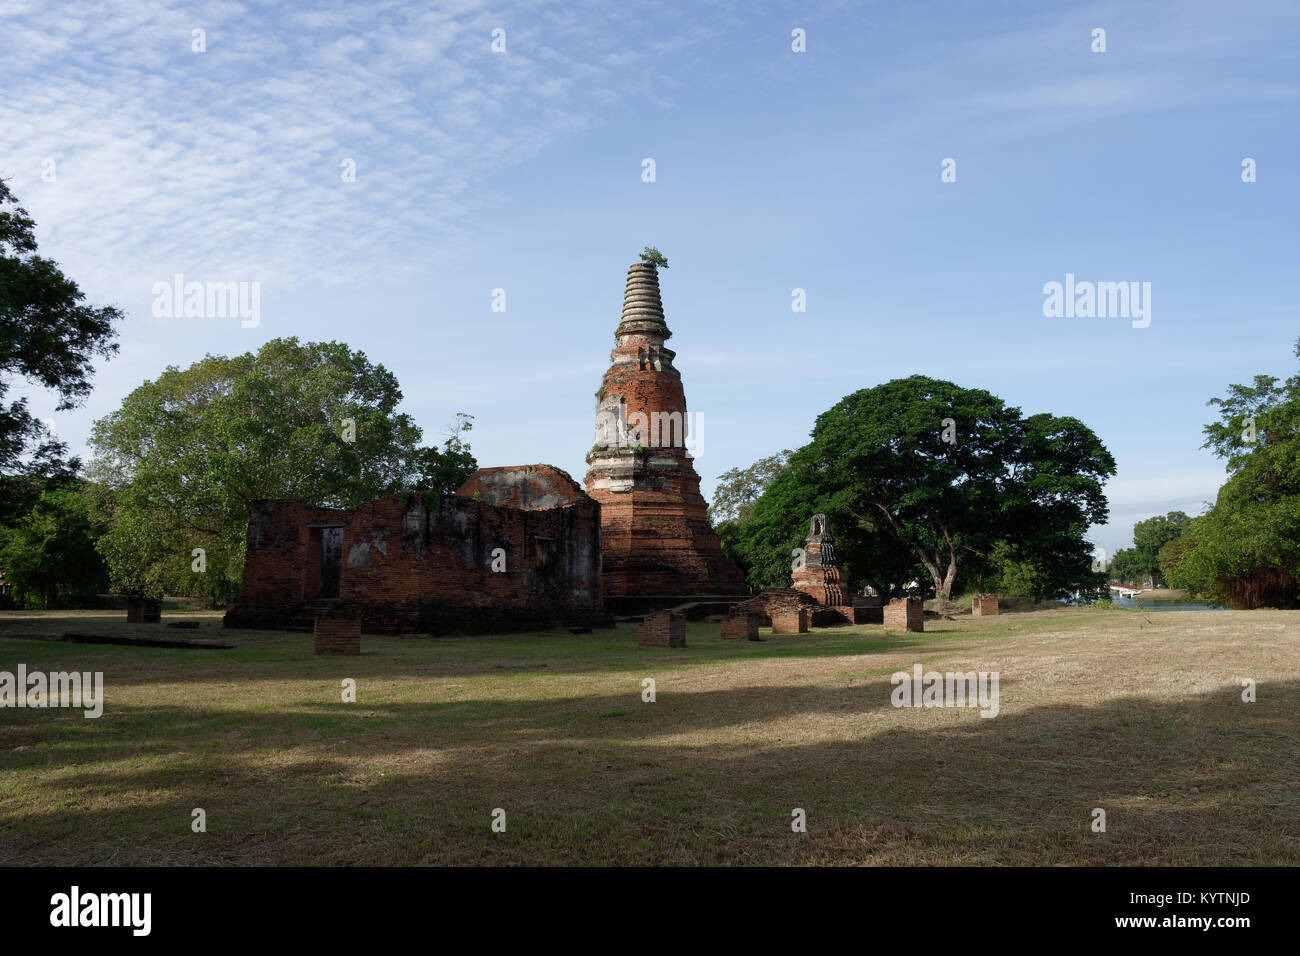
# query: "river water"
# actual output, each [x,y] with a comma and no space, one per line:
[1140,604]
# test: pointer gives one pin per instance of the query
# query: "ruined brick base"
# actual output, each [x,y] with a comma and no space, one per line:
[983,605]
[764,602]
[868,614]
[905,614]
[662,629]
[402,565]
[831,616]
[790,620]
[335,634]
[143,611]
[740,626]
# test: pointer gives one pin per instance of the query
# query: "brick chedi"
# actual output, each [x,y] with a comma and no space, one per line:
[820,576]
[656,541]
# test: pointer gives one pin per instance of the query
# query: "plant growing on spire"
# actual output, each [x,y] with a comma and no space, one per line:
[653,256]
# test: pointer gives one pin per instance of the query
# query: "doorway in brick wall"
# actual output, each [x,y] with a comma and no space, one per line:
[325,549]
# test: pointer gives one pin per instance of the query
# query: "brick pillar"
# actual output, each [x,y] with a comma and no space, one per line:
[141,610]
[338,635]
[905,614]
[790,619]
[662,629]
[740,626]
[984,605]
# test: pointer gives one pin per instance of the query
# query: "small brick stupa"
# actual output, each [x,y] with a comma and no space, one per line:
[820,577]
[657,546]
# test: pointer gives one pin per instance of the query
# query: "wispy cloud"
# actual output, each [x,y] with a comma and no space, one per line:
[229,162]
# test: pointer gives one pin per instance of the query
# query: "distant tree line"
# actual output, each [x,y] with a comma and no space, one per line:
[1141,564]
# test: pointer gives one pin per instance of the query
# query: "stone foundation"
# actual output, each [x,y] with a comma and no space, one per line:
[984,605]
[662,629]
[790,620]
[740,626]
[338,635]
[905,614]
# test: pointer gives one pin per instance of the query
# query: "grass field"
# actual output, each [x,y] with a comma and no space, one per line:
[1140,715]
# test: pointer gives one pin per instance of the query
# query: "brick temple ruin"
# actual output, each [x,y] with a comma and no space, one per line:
[819,574]
[512,549]
[657,546]
[523,548]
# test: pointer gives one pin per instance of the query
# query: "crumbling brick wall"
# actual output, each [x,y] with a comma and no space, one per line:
[789,619]
[527,487]
[337,635]
[740,625]
[905,614]
[984,605]
[768,599]
[662,629]
[408,566]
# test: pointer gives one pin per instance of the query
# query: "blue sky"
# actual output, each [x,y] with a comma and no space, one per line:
[774,170]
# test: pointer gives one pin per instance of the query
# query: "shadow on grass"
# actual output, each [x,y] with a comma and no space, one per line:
[280,656]
[1203,779]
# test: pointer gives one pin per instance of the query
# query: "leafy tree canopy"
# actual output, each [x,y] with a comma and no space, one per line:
[49,554]
[739,488]
[49,337]
[178,465]
[1245,551]
[919,475]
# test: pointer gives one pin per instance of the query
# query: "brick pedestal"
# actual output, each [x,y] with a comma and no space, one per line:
[905,614]
[790,620]
[983,605]
[143,610]
[662,629]
[338,635]
[740,626]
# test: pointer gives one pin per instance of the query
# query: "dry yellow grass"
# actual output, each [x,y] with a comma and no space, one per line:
[1138,714]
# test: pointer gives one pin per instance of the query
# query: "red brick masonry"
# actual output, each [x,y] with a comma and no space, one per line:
[662,629]
[740,625]
[905,614]
[656,536]
[338,635]
[983,605]
[790,620]
[401,564]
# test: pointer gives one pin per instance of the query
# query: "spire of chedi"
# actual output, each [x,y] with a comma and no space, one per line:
[656,541]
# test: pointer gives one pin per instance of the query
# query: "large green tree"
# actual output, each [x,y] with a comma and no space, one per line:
[1245,550]
[921,476]
[738,489]
[48,554]
[178,465]
[49,337]
[1151,536]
